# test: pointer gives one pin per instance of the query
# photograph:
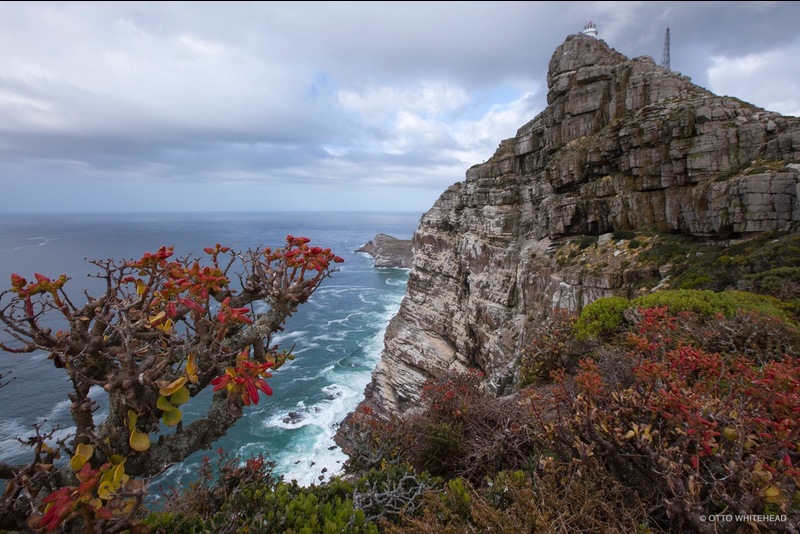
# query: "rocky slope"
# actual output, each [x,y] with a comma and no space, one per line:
[623,147]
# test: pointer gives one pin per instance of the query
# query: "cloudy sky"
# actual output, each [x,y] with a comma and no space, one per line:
[184,106]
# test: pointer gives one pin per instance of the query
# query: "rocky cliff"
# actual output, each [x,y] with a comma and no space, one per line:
[388,251]
[623,147]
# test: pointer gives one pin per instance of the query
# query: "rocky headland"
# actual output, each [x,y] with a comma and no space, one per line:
[388,251]
[625,155]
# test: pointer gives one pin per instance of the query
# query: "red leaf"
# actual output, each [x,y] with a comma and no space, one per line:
[263,386]
[220,382]
[252,391]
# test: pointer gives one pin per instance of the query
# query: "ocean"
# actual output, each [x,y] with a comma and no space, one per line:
[338,333]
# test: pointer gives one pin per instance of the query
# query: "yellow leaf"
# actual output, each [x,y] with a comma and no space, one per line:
[139,441]
[166,326]
[693,487]
[105,490]
[191,368]
[84,449]
[179,397]
[76,462]
[132,417]
[729,433]
[116,475]
[172,387]
[155,319]
[773,495]
[164,405]
[83,452]
[630,434]
[141,288]
[172,417]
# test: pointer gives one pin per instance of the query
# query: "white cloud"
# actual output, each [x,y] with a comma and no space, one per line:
[764,79]
[434,98]
[200,46]
[414,132]
[480,138]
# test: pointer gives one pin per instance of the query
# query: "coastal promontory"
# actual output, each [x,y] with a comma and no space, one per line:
[389,251]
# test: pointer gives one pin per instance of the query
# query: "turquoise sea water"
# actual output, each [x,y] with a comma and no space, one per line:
[338,334]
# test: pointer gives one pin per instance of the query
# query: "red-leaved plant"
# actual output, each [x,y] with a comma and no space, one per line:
[698,433]
[162,331]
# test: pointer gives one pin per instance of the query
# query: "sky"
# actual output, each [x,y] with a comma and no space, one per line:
[320,106]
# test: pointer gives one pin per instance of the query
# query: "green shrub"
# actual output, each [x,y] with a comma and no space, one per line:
[618,235]
[601,317]
[248,498]
[605,315]
[586,241]
[710,303]
[724,266]
[175,523]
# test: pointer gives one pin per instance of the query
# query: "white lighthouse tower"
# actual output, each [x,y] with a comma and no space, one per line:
[590,29]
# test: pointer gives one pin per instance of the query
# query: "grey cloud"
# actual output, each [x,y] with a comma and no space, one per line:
[246,92]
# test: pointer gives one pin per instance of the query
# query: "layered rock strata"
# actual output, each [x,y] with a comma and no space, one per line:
[623,145]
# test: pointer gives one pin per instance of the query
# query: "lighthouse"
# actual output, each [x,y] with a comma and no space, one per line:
[590,29]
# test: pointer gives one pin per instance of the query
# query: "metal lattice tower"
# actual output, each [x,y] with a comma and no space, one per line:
[665,53]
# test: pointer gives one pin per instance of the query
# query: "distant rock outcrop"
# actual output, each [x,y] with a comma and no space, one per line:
[389,251]
[623,146]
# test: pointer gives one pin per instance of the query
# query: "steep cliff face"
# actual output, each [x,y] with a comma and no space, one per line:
[623,145]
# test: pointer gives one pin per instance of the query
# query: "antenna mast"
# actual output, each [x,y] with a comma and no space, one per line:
[665,53]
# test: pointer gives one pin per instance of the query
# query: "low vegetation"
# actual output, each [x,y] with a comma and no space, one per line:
[678,415]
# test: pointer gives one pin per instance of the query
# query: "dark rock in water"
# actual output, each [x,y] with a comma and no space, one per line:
[331,396]
[389,251]
[293,418]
